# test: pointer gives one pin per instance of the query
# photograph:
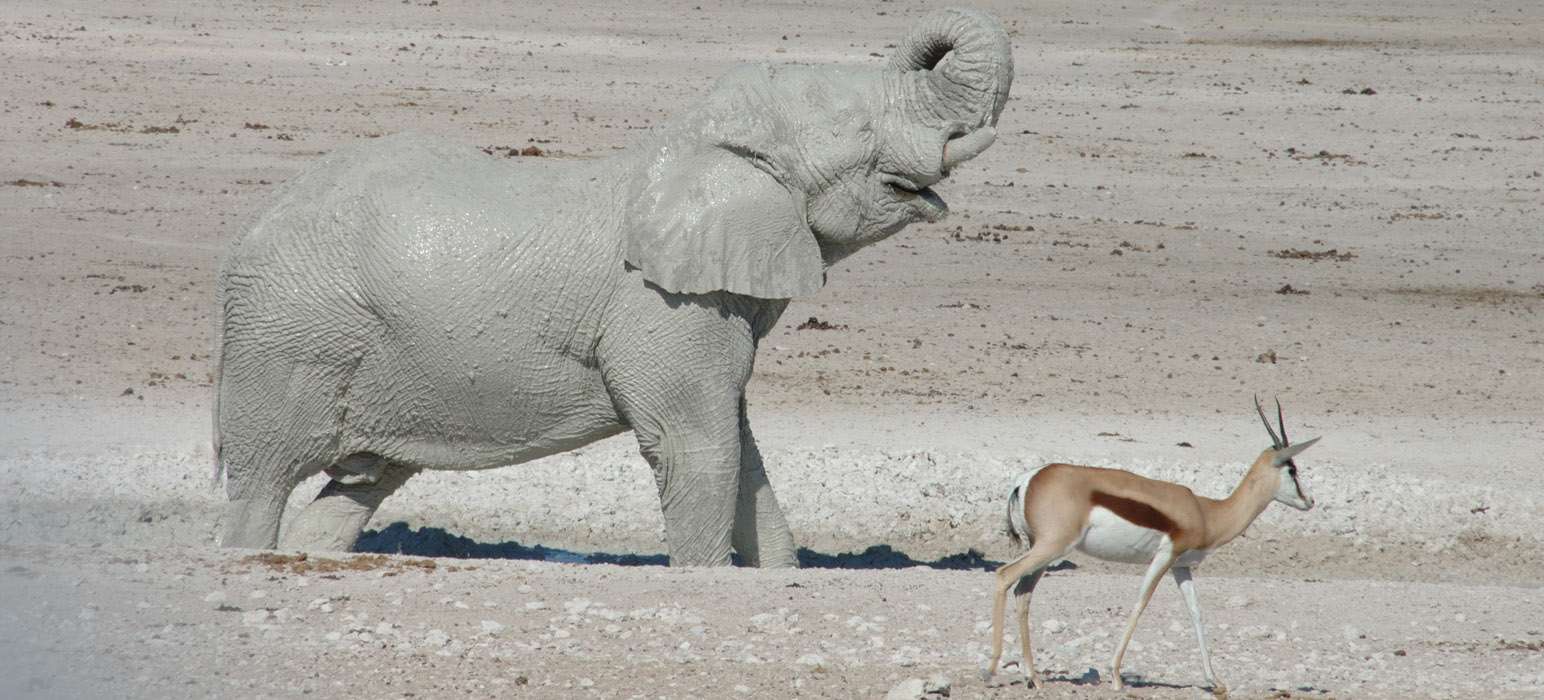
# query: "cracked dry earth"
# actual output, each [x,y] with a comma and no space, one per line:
[1187,205]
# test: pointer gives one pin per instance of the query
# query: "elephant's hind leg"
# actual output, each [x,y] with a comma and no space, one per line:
[333,521]
[278,422]
[253,522]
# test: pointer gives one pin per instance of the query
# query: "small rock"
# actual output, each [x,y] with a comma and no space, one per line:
[937,684]
[909,689]
[1054,626]
[254,617]
[491,627]
[215,597]
[436,638]
[815,662]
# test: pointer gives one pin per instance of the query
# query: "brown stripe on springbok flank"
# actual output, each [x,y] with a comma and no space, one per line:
[1136,512]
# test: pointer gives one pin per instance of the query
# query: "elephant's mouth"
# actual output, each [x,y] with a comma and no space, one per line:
[924,199]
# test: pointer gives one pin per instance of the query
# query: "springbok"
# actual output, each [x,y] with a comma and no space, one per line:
[1119,516]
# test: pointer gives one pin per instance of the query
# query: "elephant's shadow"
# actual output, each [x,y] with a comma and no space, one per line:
[399,538]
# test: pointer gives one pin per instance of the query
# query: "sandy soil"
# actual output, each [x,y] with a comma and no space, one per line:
[1336,205]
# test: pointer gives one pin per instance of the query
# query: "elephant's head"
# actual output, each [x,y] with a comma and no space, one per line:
[784,170]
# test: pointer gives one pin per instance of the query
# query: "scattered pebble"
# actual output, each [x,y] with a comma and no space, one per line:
[909,689]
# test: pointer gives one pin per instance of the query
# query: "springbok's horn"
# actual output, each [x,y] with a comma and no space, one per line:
[1282,425]
[1275,441]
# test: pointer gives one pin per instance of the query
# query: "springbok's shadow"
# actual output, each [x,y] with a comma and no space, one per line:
[1091,677]
[398,538]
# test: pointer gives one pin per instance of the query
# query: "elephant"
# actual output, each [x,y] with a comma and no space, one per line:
[413,303]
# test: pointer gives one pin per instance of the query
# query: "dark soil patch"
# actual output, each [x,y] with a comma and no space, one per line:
[1312,255]
[1473,295]
[815,324]
[1292,43]
[303,564]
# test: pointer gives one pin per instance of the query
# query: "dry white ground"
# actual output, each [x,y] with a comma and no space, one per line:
[1336,204]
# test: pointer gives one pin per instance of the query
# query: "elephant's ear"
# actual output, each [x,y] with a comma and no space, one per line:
[712,220]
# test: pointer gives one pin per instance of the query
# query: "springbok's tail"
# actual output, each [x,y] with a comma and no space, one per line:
[1013,532]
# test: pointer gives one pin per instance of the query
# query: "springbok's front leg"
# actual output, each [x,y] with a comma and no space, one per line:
[1161,563]
[1187,588]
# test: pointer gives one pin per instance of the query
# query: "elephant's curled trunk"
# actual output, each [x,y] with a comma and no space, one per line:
[966,65]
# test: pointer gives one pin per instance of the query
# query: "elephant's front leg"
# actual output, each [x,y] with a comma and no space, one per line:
[676,367]
[761,533]
[696,460]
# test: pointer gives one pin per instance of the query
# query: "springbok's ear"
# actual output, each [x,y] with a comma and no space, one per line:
[713,220]
[1290,451]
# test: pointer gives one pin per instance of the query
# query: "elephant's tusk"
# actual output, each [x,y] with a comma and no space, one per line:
[963,148]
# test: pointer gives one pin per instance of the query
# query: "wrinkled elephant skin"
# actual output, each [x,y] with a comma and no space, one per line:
[415,304]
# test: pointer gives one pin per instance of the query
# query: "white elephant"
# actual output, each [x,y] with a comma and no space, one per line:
[414,304]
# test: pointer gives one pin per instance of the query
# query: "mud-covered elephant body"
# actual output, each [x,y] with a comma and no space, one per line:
[416,304]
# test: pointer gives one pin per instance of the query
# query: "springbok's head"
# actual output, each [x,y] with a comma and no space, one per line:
[1289,489]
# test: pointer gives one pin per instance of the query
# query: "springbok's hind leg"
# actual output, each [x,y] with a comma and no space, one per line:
[1045,550]
[1023,592]
[332,522]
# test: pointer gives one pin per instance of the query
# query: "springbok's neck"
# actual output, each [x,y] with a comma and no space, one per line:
[1231,516]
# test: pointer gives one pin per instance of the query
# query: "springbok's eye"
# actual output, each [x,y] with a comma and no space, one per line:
[1292,469]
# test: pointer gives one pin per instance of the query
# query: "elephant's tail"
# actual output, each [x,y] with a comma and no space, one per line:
[214,424]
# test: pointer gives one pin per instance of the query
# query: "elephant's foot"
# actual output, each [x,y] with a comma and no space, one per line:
[333,521]
[253,523]
[761,535]
[699,551]
[779,553]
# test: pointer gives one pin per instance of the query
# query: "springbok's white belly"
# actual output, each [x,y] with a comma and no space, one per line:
[1113,538]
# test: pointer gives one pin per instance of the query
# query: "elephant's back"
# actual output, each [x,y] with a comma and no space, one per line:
[388,214]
